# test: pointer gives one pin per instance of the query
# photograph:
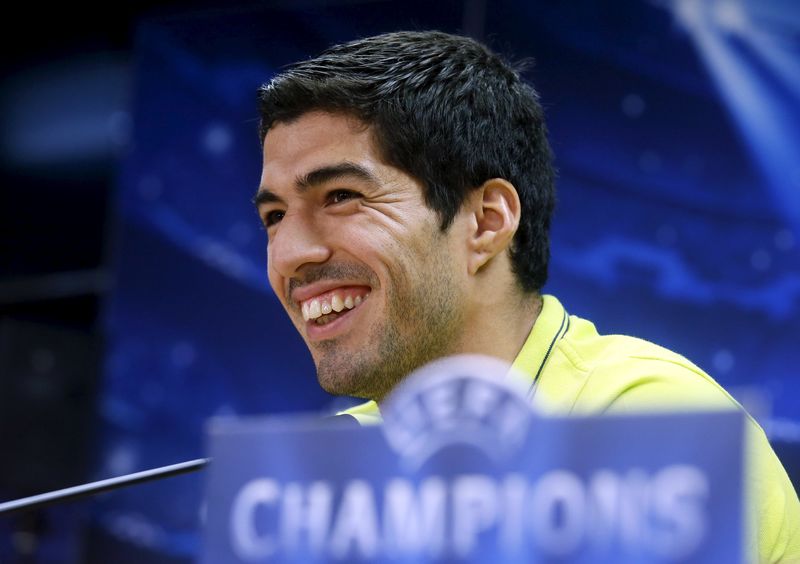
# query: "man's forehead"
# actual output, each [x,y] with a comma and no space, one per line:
[316,130]
[313,141]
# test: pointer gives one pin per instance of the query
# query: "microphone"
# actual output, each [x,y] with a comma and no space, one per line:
[84,490]
[92,488]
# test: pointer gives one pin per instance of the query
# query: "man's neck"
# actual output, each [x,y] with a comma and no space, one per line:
[501,327]
[502,330]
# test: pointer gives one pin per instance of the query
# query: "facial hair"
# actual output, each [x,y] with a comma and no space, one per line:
[423,321]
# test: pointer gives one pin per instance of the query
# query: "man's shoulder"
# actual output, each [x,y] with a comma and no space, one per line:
[590,373]
[590,348]
[626,373]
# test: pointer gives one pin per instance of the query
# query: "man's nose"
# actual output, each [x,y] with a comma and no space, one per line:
[296,242]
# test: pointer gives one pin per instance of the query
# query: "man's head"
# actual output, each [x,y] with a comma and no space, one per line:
[403,172]
[446,110]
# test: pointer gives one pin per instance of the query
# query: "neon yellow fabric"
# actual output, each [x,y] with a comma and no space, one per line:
[574,370]
[366,413]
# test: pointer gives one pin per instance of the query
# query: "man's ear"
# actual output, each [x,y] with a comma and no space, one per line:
[496,212]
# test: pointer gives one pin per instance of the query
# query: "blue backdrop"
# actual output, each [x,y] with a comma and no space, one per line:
[676,129]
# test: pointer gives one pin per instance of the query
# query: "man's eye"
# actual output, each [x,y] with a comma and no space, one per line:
[273,217]
[338,196]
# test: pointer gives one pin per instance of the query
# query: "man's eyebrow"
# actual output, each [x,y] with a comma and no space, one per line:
[316,177]
[265,196]
[334,172]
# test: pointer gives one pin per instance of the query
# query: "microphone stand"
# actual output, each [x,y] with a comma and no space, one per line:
[75,492]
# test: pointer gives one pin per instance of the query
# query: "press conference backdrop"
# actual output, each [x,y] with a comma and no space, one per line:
[676,129]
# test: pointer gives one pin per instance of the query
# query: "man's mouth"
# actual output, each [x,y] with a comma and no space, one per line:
[329,306]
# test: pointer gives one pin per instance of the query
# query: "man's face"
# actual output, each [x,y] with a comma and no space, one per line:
[356,257]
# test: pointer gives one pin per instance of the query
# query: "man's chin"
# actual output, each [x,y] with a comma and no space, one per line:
[343,385]
[343,378]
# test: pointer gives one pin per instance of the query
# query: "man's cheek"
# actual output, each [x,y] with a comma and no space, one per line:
[274,279]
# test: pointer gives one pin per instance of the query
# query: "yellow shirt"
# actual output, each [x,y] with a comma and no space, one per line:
[574,370]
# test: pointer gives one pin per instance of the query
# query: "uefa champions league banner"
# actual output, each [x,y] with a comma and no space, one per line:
[462,470]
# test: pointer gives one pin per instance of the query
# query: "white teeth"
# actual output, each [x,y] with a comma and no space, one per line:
[314,310]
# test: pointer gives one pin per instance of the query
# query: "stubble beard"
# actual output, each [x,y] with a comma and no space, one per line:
[421,325]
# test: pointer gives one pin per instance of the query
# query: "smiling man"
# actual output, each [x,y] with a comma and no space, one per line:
[406,192]
[357,257]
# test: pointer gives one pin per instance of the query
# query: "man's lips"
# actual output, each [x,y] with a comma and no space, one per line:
[317,301]
[315,289]
[331,314]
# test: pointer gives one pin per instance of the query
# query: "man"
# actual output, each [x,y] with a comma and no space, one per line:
[407,190]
